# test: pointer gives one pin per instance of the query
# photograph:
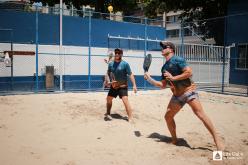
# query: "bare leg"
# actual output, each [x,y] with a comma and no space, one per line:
[172,110]
[109,104]
[128,108]
[198,110]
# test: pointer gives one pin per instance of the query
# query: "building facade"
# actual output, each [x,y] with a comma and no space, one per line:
[237,35]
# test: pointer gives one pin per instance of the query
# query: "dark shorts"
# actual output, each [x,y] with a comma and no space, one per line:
[118,92]
[186,97]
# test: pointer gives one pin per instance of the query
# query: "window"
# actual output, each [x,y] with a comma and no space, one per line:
[176,18]
[242,60]
[172,33]
[170,19]
[187,32]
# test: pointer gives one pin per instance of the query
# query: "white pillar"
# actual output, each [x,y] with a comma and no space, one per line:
[164,19]
[60,44]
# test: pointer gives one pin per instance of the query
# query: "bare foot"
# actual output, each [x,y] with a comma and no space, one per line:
[107,116]
[131,121]
[220,144]
[173,141]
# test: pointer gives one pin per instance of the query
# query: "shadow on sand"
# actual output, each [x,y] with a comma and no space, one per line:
[181,142]
[116,116]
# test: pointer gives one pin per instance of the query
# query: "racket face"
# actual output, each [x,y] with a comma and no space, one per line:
[147,62]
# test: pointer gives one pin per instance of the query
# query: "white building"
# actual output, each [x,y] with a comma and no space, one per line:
[174,30]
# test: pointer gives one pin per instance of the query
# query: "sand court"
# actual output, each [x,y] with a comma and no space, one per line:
[69,129]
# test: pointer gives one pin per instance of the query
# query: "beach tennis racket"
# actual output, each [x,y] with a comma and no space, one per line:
[113,82]
[147,62]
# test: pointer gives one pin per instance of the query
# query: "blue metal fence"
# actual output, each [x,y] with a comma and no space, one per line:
[87,36]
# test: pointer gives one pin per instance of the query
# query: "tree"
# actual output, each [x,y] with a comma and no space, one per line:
[126,6]
[196,13]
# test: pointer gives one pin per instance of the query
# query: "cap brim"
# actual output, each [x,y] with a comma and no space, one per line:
[161,44]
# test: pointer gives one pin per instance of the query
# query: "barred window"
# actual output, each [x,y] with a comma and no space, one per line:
[172,33]
[242,60]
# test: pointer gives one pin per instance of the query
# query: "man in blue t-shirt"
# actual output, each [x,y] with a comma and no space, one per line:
[177,74]
[119,71]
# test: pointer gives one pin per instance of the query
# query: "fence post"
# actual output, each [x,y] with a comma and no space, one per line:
[223,70]
[60,44]
[129,44]
[224,57]
[247,90]
[108,40]
[145,46]
[182,37]
[89,56]
[36,49]
[119,46]
[12,61]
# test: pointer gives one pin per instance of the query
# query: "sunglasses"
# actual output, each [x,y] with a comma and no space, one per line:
[118,53]
[165,47]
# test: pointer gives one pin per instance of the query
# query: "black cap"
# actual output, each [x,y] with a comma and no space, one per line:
[119,50]
[164,44]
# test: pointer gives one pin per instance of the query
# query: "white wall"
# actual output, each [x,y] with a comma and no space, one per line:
[74,62]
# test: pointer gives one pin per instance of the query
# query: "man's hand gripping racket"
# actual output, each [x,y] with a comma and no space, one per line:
[168,78]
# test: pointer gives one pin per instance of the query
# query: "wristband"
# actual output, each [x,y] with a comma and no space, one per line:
[151,81]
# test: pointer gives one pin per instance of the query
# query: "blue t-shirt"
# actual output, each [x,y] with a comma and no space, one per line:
[119,71]
[175,66]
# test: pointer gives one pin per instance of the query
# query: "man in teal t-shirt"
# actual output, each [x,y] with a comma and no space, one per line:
[177,74]
[119,71]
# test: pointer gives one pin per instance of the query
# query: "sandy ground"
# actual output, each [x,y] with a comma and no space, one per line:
[69,129]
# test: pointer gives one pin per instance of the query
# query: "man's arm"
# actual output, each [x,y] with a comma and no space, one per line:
[187,73]
[133,82]
[109,73]
[160,84]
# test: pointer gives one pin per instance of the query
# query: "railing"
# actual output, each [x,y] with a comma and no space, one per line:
[85,12]
[81,68]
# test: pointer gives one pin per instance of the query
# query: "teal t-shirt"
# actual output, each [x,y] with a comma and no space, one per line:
[119,71]
[175,66]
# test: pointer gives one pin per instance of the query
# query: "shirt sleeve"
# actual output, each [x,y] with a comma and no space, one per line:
[128,69]
[181,63]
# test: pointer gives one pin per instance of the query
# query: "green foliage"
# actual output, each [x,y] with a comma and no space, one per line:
[196,11]
[209,8]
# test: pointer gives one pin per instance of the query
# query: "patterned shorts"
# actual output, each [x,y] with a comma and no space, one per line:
[186,97]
